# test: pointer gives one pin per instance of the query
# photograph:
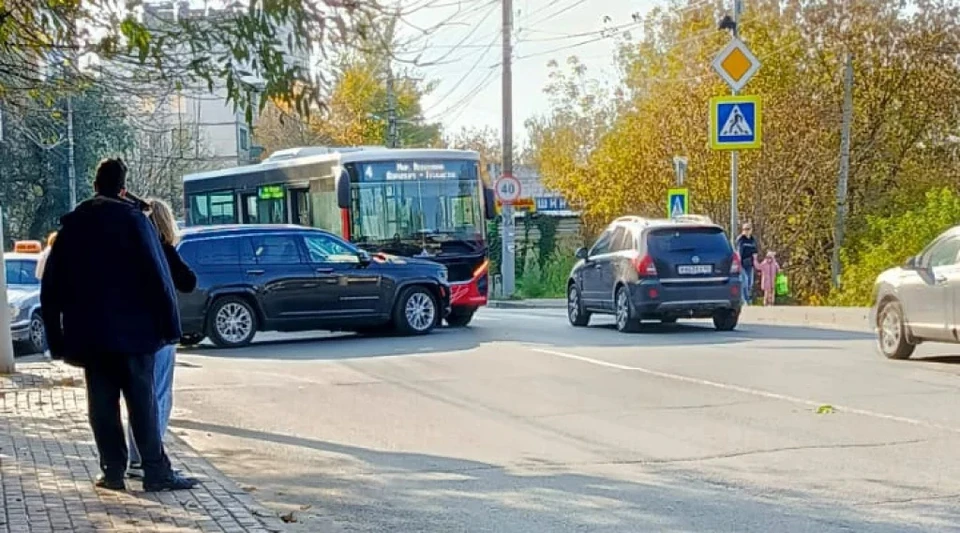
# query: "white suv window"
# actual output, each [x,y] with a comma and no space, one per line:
[944,253]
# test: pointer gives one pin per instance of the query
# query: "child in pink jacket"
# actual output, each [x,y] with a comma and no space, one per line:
[769,268]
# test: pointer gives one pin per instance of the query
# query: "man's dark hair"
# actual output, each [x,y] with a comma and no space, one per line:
[111,177]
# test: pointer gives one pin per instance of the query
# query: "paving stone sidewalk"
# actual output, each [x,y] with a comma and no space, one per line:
[48,463]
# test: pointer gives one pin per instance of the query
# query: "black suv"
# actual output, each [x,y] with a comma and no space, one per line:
[289,278]
[641,269]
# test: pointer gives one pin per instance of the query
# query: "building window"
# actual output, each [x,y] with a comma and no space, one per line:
[244,140]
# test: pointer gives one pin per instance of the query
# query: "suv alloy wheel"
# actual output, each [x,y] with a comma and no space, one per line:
[231,322]
[626,323]
[891,332]
[416,311]
[575,312]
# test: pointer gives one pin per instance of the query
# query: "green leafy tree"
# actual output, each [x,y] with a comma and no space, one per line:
[248,40]
[33,157]
[887,241]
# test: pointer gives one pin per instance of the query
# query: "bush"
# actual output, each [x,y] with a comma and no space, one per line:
[549,280]
[888,241]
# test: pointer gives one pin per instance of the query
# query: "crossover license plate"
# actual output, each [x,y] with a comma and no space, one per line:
[694,269]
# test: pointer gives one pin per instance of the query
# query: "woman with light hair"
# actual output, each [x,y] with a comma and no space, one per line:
[185,281]
[42,261]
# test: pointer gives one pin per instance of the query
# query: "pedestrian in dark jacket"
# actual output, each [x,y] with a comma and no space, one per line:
[185,281]
[109,304]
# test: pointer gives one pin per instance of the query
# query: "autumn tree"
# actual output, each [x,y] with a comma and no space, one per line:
[485,141]
[906,112]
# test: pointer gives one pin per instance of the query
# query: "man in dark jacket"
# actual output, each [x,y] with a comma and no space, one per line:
[109,304]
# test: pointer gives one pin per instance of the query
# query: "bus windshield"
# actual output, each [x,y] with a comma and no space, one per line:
[431,206]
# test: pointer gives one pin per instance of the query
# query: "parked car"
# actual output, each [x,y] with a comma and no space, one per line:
[919,301]
[643,269]
[290,278]
[23,297]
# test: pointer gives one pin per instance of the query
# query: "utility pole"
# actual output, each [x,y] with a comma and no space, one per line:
[71,156]
[838,228]
[507,267]
[391,109]
[7,362]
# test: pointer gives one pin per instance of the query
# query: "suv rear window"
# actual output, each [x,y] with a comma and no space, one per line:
[668,240]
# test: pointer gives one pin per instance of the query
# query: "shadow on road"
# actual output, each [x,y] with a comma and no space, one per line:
[941,359]
[373,490]
[545,332]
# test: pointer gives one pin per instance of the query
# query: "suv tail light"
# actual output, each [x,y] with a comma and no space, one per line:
[735,264]
[645,266]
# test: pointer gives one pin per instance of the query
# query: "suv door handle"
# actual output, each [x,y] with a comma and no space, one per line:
[255,272]
[324,271]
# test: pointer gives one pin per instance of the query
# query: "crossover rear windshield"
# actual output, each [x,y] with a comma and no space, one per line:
[667,240]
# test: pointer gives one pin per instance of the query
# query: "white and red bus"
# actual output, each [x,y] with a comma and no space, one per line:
[428,203]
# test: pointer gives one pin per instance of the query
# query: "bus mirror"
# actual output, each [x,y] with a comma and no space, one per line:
[489,204]
[343,190]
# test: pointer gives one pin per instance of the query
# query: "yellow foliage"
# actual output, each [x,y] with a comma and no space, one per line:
[610,152]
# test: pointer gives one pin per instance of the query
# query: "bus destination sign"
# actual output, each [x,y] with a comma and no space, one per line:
[412,171]
[270,192]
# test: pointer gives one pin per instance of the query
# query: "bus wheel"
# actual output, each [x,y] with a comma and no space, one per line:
[460,317]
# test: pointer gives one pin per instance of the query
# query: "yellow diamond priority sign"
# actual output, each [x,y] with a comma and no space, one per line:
[736,64]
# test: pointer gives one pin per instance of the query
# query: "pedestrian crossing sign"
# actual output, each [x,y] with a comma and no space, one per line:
[735,122]
[678,203]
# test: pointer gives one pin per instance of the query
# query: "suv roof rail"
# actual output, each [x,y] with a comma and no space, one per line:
[698,219]
[632,218]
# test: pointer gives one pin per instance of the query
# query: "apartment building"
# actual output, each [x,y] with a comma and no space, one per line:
[220,135]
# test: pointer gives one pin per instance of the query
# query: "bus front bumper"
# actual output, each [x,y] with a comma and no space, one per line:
[471,293]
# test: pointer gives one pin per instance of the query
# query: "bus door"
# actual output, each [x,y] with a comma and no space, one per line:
[300,206]
[265,206]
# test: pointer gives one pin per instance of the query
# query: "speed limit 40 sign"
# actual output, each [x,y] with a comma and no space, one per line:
[507,189]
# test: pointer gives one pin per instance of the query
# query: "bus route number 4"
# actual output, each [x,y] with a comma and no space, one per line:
[508,189]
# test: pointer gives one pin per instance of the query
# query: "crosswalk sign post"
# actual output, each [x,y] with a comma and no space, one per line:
[678,203]
[735,123]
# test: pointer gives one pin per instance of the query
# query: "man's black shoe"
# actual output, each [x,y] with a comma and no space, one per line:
[104,482]
[174,482]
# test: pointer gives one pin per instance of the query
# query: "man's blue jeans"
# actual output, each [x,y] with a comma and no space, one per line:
[163,385]
[747,279]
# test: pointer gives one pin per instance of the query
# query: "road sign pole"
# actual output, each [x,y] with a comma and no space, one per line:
[735,155]
[508,252]
[734,170]
[734,178]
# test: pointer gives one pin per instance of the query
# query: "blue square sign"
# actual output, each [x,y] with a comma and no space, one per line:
[735,122]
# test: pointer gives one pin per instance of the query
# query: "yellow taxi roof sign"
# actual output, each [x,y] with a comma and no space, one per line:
[27,247]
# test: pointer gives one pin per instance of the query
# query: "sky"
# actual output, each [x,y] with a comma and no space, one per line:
[468,48]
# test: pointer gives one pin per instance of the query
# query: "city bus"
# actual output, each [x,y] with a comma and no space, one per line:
[427,203]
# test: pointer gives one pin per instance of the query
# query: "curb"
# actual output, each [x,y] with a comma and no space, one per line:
[527,304]
[848,318]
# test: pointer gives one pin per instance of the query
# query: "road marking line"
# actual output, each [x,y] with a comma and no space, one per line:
[747,390]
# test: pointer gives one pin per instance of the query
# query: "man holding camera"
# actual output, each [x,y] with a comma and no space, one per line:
[109,304]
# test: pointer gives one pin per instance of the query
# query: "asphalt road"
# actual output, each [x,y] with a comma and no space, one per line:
[524,424]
